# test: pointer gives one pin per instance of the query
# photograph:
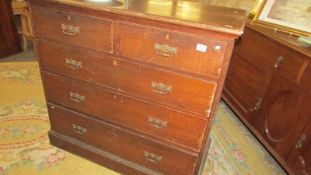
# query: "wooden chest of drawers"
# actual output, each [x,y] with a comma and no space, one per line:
[132,89]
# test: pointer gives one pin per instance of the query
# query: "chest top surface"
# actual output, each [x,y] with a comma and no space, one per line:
[182,12]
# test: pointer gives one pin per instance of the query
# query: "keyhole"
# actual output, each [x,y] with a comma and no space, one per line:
[115,62]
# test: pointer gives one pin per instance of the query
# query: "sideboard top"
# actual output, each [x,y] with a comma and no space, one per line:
[281,37]
[184,12]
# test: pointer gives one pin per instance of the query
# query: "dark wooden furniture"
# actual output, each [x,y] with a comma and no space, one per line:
[21,10]
[134,87]
[268,86]
[8,33]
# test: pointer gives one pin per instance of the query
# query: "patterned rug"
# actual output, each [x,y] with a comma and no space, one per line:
[25,149]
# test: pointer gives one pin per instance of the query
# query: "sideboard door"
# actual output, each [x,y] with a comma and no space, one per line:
[281,118]
[300,157]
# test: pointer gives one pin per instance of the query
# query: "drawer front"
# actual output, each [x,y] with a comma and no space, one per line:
[121,142]
[169,125]
[267,55]
[77,62]
[263,55]
[90,32]
[165,87]
[171,49]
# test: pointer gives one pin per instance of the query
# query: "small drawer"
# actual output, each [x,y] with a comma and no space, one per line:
[171,126]
[76,62]
[290,68]
[120,142]
[177,50]
[267,55]
[73,29]
[153,84]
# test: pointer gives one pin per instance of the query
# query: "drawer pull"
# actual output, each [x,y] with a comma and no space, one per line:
[257,105]
[302,161]
[70,30]
[161,88]
[73,64]
[301,141]
[165,50]
[279,60]
[152,157]
[157,122]
[76,97]
[78,129]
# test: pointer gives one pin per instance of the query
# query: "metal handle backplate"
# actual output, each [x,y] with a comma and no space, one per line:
[161,88]
[76,97]
[279,60]
[152,157]
[165,50]
[257,105]
[73,64]
[301,141]
[70,30]
[157,122]
[78,129]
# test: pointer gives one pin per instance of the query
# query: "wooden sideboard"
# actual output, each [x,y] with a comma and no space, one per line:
[134,87]
[8,34]
[269,87]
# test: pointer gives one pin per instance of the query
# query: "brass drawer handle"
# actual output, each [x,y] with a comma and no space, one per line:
[73,64]
[70,30]
[161,88]
[165,50]
[257,105]
[76,97]
[78,129]
[157,122]
[152,157]
[301,141]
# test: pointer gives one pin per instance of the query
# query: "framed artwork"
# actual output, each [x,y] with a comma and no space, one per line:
[293,16]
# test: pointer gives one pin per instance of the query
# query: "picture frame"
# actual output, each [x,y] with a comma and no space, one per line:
[291,16]
[256,7]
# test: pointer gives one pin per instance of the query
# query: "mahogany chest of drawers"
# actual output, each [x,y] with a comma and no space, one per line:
[132,87]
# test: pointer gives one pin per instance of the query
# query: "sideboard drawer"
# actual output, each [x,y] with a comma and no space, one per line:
[162,123]
[90,32]
[120,142]
[177,50]
[161,86]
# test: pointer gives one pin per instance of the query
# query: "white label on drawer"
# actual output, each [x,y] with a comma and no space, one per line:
[201,47]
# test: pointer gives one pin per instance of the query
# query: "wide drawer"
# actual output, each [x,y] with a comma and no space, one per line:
[120,142]
[86,31]
[158,85]
[174,127]
[186,52]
